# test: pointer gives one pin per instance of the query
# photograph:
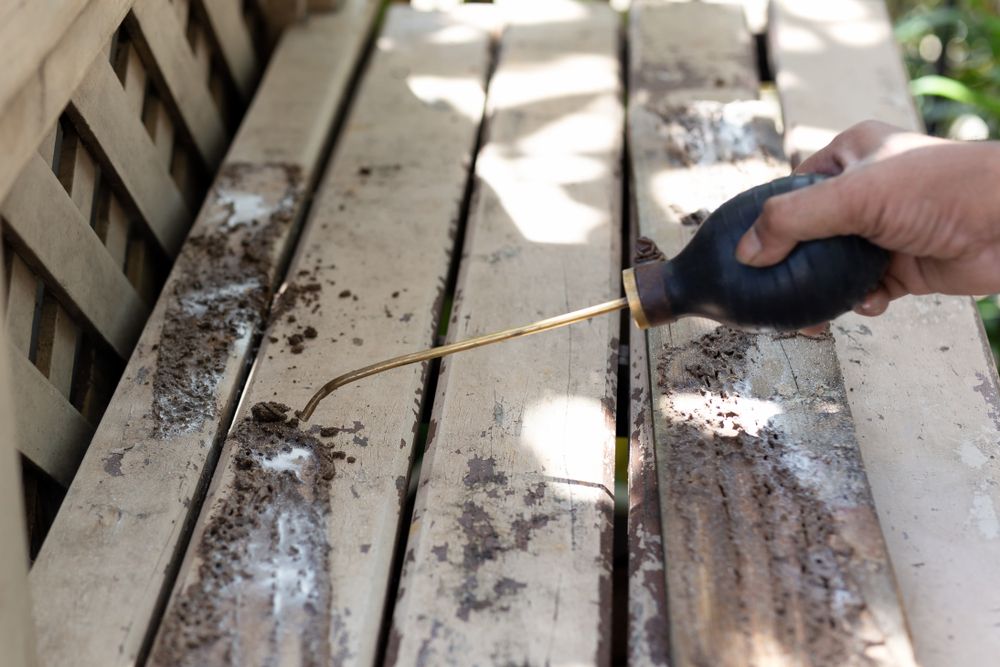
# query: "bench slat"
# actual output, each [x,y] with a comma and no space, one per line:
[31,112]
[104,570]
[50,432]
[771,538]
[61,244]
[922,381]
[509,553]
[158,32]
[378,245]
[225,17]
[102,113]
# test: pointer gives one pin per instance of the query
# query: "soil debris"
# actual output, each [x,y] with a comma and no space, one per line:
[269,411]
[263,554]
[646,250]
[726,458]
[220,291]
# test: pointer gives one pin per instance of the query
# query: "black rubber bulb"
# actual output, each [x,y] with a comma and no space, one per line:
[818,281]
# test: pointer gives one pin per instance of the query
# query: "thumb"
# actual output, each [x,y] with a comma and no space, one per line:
[828,208]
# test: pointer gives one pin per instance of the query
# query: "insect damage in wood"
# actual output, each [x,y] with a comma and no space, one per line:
[788,517]
[264,551]
[704,133]
[221,291]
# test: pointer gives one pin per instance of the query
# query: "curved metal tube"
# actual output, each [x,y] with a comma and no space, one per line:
[461,346]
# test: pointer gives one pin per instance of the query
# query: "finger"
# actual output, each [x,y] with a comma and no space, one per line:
[815,331]
[825,209]
[875,303]
[823,161]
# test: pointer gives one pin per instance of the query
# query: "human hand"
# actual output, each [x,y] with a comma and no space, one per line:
[935,204]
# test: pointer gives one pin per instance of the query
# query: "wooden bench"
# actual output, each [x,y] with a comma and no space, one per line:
[406,177]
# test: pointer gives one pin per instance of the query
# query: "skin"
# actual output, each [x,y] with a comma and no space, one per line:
[935,204]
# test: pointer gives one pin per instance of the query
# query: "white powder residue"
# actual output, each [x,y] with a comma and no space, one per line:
[292,460]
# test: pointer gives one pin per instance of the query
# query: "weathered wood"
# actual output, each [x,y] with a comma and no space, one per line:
[225,18]
[366,285]
[509,553]
[50,432]
[101,574]
[32,111]
[160,127]
[772,543]
[157,31]
[648,619]
[58,336]
[60,243]
[921,380]
[17,634]
[31,31]
[132,74]
[112,228]
[20,305]
[78,173]
[101,113]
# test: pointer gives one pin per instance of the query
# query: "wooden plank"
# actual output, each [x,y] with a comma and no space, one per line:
[392,198]
[17,633]
[20,305]
[50,432]
[132,75]
[78,173]
[58,336]
[160,127]
[102,114]
[31,31]
[509,554]
[225,19]
[47,149]
[34,109]
[771,540]
[102,573]
[60,243]
[201,47]
[158,33]
[648,618]
[112,228]
[921,379]
[140,268]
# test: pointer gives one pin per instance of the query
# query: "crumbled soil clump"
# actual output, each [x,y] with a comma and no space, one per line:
[646,250]
[220,292]
[262,577]
[752,482]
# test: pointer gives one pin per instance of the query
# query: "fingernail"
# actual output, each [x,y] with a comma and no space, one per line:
[868,305]
[749,247]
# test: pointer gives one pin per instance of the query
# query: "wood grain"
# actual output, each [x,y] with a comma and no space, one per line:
[366,285]
[508,559]
[772,543]
[921,380]
[104,570]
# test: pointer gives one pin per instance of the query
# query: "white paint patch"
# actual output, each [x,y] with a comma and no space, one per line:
[243,207]
[292,460]
[983,514]
[971,455]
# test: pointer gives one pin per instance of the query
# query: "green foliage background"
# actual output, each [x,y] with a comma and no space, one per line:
[952,48]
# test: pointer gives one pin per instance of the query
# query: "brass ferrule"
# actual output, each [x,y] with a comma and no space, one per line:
[632,294]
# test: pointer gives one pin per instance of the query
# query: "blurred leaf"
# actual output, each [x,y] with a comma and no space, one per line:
[942,86]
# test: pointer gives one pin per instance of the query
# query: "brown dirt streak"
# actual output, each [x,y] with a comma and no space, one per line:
[221,287]
[269,523]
